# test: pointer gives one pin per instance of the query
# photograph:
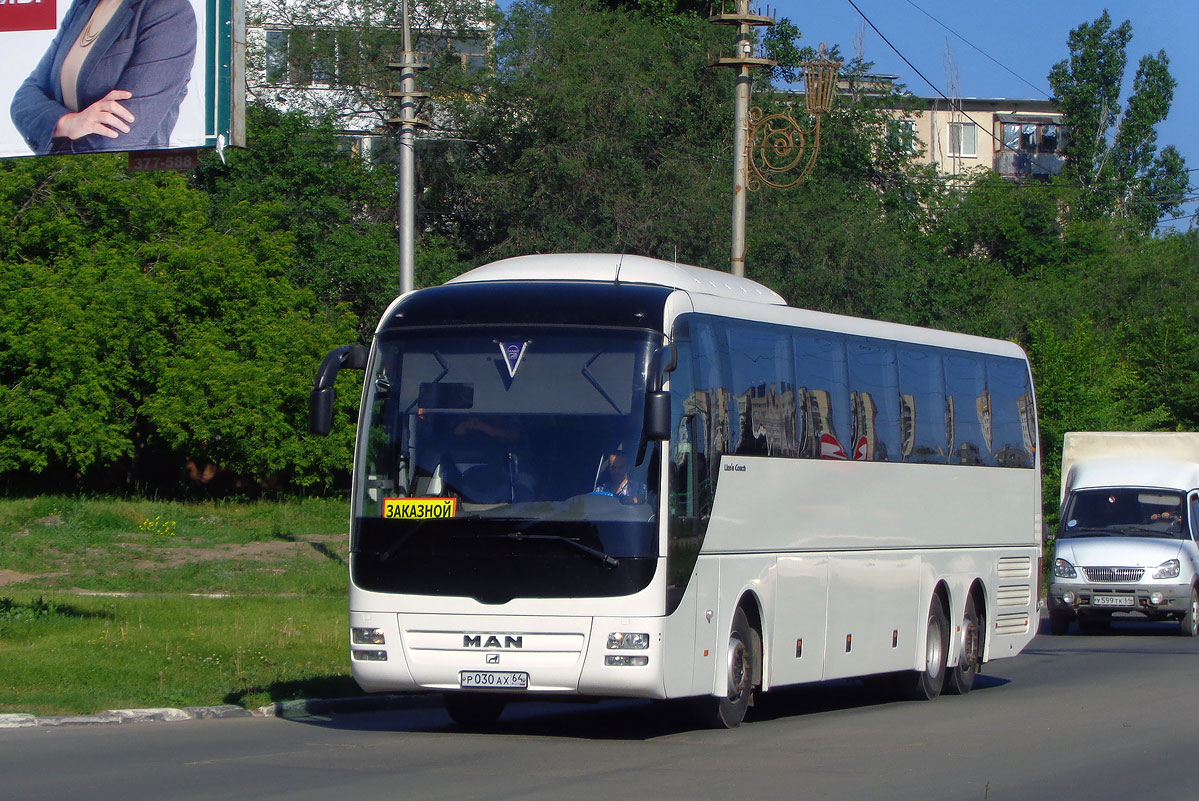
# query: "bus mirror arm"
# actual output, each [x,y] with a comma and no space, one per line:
[665,360]
[320,401]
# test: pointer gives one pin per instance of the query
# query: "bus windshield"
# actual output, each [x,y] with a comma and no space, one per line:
[484,446]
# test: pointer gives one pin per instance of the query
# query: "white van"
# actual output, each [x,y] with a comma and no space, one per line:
[1127,544]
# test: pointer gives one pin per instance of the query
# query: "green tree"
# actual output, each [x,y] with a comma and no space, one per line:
[297,176]
[1121,170]
[136,336]
[1084,383]
[602,130]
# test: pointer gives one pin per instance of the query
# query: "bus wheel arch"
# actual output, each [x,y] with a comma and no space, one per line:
[925,683]
[971,645]
[739,673]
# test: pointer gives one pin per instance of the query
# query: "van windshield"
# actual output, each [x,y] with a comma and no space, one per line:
[1125,512]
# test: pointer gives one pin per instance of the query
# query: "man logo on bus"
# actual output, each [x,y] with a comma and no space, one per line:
[492,641]
[513,352]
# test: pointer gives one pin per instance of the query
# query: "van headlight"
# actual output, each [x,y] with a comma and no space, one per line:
[1063,569]
[1168,570]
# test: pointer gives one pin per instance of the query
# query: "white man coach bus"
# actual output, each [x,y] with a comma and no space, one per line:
[823,497]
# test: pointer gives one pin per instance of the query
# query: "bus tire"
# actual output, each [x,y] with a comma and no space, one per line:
[473,709]
[960,679]
[728,710]
[925,685]
[1188,626]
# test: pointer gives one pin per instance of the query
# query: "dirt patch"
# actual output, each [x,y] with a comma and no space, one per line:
[142,555]
[315,547]
[12,577]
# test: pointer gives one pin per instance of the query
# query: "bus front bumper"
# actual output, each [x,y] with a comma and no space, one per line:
[537,655]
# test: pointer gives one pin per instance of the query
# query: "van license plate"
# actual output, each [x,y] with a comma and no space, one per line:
[494,679]
[1112,600]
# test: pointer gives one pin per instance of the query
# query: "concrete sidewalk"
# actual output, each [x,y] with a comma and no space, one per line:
[279,709]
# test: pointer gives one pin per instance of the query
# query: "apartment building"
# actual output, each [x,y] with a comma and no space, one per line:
[331,57]
[1018,138]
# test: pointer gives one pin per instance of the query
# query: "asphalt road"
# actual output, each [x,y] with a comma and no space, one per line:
[1094,718]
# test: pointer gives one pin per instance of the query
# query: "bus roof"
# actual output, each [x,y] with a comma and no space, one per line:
[621,269]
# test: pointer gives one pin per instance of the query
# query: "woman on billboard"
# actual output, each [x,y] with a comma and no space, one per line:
[112,79]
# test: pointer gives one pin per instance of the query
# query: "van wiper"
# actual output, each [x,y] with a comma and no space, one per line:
[609,561]
[1151,531]
[1072,533]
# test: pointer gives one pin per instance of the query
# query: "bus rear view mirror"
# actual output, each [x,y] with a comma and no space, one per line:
[657,416]
[320,401]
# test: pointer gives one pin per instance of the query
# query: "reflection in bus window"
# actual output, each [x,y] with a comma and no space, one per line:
[763,390]
[965,383]
[820,374]
[922,400]
[874,401]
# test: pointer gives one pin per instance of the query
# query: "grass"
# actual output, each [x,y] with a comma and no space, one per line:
[276,630]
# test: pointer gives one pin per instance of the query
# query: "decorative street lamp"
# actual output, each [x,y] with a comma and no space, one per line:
[777,141]
[782,154]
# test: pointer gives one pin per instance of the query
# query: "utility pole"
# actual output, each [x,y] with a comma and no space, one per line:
[742,60]
[408,66]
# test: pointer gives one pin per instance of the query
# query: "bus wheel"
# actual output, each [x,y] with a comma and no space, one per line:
[727,711]
[925,685]
[1189,625]
[960,679]
[473,709]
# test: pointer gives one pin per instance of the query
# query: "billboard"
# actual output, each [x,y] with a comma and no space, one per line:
[87,76]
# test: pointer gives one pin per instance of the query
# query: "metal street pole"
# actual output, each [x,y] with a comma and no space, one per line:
[407,164]
[743,60]
[408,95]
[740,168]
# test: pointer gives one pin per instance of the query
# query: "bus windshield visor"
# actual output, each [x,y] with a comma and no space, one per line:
[1125,512]
[498,443]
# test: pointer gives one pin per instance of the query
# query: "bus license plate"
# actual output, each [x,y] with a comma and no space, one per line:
[494,679]
[1112,600]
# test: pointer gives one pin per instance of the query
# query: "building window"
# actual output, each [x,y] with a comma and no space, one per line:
[1030,137]
[963,139]
[276,56]
[903,137]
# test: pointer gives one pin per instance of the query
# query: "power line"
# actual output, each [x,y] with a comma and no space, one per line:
[980,50]
[931,85]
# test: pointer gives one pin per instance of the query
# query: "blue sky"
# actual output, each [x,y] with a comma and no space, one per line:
[1026,38]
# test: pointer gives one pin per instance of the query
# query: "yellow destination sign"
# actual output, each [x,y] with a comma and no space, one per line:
[419,508]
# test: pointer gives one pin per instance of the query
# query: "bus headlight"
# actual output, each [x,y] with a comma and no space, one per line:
[1063,569]
[625,641]
[367,636]
[1167,570]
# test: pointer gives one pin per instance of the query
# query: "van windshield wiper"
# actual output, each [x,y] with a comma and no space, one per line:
[609,561]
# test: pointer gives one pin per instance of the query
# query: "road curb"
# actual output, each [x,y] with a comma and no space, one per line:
[290,710]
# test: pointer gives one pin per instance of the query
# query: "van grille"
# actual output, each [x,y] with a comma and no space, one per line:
[1114,575]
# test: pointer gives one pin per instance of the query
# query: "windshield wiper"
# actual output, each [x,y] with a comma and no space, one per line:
[609,561]
[1162,533]
[1070,533]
